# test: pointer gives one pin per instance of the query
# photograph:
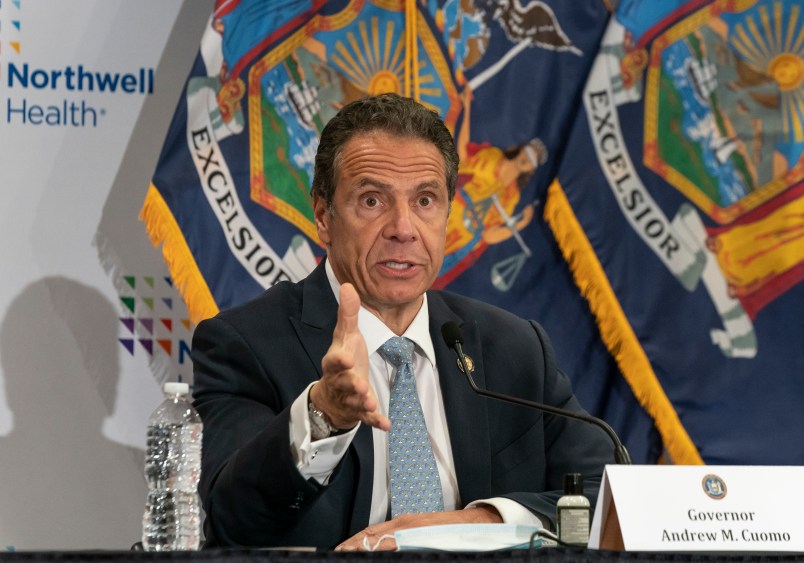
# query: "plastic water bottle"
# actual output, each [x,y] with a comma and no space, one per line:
[172,519]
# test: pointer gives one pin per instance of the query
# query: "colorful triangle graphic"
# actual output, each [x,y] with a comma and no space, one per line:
[15,45]
[149,301]
[128,322]
[15,23]
[131,281]
[128,344]
[148,345]
[148,324]
[168,324]
[186,323]
[167,346]
[168,281]
[169,302]
[149,280]
[129,302]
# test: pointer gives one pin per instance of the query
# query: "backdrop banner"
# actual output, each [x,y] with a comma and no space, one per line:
[87,310]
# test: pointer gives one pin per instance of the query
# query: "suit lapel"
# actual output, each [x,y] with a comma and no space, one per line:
[466,412]
[319,315]
[314,328]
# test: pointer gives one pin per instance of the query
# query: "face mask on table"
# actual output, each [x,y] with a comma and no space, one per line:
[467,537]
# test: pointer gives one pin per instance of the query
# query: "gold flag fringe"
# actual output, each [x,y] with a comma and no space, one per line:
[163,229]
[616,331]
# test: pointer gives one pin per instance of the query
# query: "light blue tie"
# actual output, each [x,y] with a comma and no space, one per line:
[415,484]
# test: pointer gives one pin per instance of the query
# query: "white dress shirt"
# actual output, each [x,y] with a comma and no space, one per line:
[318,459]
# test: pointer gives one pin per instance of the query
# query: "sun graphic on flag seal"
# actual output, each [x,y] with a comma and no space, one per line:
[384,82]
[372,57]
[788,71]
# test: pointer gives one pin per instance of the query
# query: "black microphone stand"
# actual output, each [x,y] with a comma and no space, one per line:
[621,455]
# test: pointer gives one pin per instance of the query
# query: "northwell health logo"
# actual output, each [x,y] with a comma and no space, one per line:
[41,95]
[72,83]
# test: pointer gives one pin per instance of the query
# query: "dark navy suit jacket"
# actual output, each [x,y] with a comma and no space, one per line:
[252,361]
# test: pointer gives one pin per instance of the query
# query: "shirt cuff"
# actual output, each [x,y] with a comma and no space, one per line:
[514,513]
[316,460]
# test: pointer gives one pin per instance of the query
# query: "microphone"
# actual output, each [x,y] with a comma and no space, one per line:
[454,340]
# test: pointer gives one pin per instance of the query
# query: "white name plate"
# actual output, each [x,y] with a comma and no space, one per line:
[700,508]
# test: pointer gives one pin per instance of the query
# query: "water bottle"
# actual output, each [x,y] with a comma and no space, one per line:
[172,519]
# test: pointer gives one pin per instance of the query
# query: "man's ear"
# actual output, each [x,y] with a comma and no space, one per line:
[322,218]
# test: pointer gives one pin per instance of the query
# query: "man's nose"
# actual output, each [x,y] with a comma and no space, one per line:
[400,223]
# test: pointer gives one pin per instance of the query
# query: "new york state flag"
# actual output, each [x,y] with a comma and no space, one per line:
[685,226]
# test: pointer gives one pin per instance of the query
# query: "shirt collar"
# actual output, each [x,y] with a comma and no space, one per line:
[376,333]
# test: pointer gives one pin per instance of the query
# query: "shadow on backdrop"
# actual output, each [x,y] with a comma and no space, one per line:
[64,485]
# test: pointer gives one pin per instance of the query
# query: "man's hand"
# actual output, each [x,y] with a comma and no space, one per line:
[372,537]
[343,393]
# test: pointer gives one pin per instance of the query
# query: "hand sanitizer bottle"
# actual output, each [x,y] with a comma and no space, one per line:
[572,512]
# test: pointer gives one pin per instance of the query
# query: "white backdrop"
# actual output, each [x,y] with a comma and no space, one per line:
[89,323]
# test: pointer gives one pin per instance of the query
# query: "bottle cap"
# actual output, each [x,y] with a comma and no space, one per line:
[573,484]
[175,388]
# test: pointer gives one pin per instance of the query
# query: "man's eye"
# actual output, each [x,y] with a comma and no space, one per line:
[371,201]
[425,200]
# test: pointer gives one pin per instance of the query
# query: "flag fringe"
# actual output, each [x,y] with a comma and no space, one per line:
[163,229]
[615,330]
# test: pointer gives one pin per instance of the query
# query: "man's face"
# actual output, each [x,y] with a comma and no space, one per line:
[387,233]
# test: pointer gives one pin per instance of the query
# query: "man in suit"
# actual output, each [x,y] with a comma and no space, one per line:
[294,387]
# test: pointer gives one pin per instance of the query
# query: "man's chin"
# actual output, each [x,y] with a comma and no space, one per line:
[389,299]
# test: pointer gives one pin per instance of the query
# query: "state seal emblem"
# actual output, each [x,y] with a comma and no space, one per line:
[714,487]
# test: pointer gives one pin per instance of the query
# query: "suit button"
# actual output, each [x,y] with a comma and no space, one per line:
[297,502]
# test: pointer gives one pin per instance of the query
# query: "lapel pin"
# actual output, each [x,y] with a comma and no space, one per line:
[470,363]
